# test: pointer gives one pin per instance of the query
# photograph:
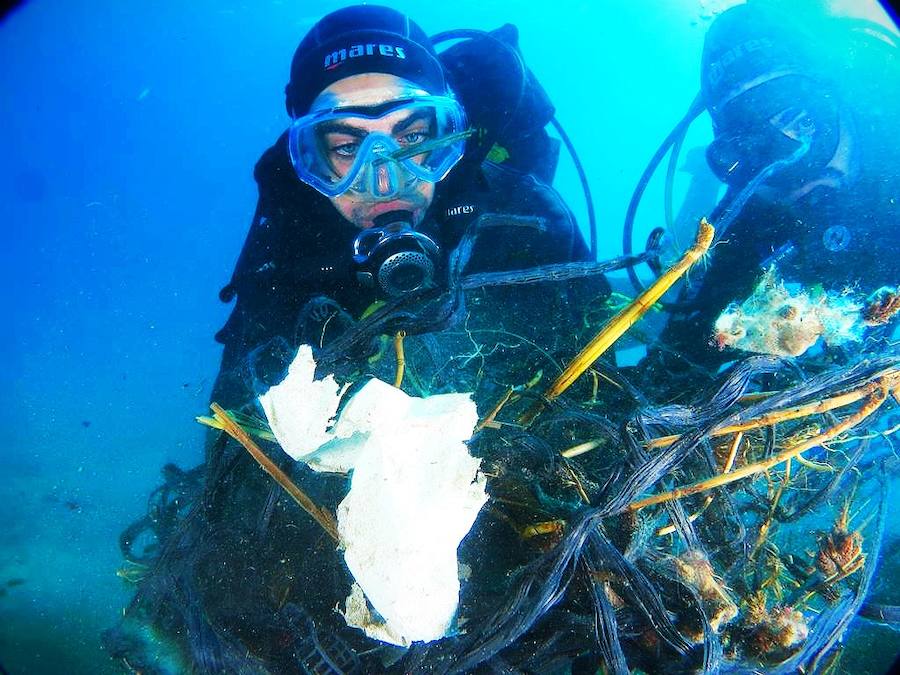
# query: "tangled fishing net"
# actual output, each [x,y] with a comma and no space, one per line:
[619,532]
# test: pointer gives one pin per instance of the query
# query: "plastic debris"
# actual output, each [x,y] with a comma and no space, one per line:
[775,321]
[414,495]
[300,408]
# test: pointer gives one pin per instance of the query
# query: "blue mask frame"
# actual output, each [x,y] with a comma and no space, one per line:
[382,166]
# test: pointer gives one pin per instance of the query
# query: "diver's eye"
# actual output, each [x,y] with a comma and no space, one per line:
[345,150]
[795,123]
[412,138]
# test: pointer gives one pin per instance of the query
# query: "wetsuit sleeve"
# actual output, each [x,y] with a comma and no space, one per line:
[527,224]
[256,318]
[297,249]
[267,282]
[562,241]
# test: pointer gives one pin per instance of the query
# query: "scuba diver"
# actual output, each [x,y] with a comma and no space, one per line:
[380,175]
[803,141]
[394,155]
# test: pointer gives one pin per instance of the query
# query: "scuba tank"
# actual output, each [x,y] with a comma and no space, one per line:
[511,122]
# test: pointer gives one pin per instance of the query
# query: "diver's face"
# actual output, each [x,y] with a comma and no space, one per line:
[772,123]
[340,143]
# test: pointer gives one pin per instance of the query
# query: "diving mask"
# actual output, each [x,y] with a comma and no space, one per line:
[378,150]
[769,124]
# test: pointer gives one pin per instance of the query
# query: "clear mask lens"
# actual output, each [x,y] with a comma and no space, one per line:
[381,150]
[795,123]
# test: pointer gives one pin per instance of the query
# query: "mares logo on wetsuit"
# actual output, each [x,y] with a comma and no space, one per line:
[462,209]
[338,56]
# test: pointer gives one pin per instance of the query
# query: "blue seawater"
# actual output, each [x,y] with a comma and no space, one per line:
[129,133]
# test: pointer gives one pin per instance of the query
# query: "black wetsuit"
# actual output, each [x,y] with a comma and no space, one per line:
[299,247]
[246,572]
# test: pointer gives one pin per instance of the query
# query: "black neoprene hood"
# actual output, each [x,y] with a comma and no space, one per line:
[747,46]
[361,39]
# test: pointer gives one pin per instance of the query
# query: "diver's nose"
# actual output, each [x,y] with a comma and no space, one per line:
[384,184]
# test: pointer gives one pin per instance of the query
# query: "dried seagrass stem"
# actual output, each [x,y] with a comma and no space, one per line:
[788,414]
[669,529]
[729,462]
[320,515]
[401,357]
[773,507]
[488,420]
[249,423]
[732,451]
[872,404]
[814,466]
[580,449]
[624,320]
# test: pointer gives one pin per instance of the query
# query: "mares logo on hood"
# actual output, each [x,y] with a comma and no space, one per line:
[338,56]
[719,68]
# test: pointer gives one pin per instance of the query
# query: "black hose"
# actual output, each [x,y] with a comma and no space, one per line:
[470,33]
[678,131]
[669,197]
[582,176]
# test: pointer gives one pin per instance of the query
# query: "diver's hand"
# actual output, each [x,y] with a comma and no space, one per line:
[320,321]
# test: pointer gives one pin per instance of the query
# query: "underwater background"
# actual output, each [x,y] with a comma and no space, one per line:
[130,131]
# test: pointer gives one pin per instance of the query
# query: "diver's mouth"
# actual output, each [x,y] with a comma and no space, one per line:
[371,213]
[380,208]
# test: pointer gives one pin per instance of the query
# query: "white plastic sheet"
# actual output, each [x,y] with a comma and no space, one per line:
[415,493]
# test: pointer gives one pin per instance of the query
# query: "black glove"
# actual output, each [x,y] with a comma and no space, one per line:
[320,321]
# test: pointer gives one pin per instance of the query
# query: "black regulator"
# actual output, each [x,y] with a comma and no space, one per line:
[394,257]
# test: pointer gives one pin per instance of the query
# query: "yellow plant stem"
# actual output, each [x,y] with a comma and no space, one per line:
[545,527]
[320,515]
[732,451]
[213,423]
[792,450]
[814,466]
[669,529]
[401,357]
[489,419]
[788,414]
[755,396]
[578,486]
[729,462]
[580,449]
[624,320]
[767,523]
